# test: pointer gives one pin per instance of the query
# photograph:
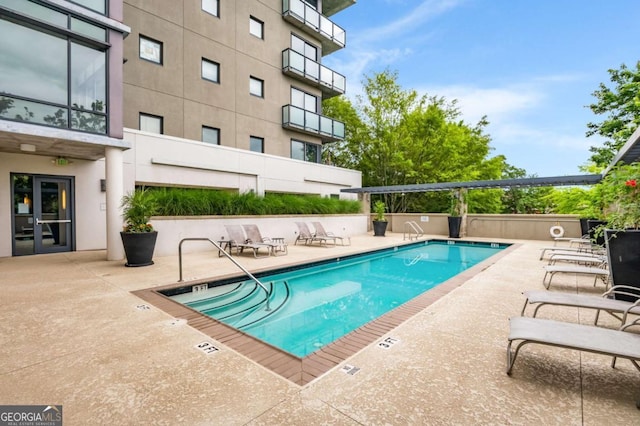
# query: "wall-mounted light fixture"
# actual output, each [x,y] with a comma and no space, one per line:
[27,147]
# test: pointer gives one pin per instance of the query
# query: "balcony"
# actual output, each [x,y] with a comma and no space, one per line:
[302,68]
[309,20]
[331,7]
[301,120]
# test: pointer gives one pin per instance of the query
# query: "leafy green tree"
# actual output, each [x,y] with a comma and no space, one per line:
[621,105]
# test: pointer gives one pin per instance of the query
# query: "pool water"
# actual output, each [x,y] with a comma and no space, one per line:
[313,306]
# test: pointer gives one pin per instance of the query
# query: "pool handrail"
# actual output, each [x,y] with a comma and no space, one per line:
[415,228]
[228,256]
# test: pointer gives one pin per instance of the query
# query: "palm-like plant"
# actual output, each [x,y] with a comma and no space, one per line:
[137,208]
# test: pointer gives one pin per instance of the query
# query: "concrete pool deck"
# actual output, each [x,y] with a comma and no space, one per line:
[74,334]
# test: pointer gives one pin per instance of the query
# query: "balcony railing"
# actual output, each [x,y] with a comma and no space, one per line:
[298,66]
[301,120]
[308,19]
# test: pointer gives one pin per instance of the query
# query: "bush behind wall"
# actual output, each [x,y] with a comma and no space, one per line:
[207,202]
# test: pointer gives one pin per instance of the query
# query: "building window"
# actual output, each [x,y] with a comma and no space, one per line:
[256,144]
[150,50]
[99,6]
[211,135]
[256,87]
[302,47]
[211,6]
[66,82]
[256,27]
[305,151]
[304,100]
[210,71]
[151,123]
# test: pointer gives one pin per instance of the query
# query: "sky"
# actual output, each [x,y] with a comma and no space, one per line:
[529,66]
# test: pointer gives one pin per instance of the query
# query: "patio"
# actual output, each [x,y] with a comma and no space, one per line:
[73,334]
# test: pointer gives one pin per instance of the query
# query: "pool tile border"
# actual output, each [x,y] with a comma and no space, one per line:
[302,371]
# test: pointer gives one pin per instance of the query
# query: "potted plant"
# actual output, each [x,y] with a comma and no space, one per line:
[455,214]
[620,190]
[138,235]
[380,221]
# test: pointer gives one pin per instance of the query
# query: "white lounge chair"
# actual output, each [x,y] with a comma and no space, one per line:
[321,233]
[577,258]
[587,338]
[596,272]
[305,235]
[277,245]
[606,302]
[238,240]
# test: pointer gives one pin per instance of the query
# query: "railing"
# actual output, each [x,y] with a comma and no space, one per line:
[221,250]
[414,230]
[313,21]
[330,82]
[295,118]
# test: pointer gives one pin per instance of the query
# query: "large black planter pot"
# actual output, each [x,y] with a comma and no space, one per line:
[623,249]
[584,225]
[379,228]
[454,226]
[139,247]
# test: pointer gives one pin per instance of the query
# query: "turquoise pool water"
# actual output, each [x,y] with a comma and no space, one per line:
[316,304]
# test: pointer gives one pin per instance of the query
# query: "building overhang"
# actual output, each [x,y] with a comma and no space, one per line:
[331,7]
[23,138]
[629,153]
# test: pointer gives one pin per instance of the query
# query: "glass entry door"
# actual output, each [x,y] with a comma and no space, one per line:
[43,212]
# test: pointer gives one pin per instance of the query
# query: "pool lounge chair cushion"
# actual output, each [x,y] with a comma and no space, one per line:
[605,302]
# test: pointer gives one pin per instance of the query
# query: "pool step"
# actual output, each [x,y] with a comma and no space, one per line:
[280,295]
[236,293]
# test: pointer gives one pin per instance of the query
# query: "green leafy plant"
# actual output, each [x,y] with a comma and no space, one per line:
[620,191]
[378,209]
[137,208]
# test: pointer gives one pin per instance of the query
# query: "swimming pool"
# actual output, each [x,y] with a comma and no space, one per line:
[313,305]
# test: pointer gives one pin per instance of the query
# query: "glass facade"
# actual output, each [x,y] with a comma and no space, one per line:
[60,80]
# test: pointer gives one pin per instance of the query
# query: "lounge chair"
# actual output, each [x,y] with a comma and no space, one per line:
[567,250]
[577,258]
[606,302]
[594,271]
[305,235]
[320,232]
[254,235]
[238,241]
[587,338]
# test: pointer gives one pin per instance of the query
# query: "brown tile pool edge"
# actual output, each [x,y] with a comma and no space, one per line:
[302,371]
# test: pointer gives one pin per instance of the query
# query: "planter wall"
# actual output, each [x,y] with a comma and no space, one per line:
[623,250]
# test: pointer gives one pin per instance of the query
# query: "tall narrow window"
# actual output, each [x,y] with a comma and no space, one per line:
[304,100]
[151,123]
[210,71]
[305,151]
[256,144]
[211,135]
[256,87]
[256,27]
[211,6]
[150,50]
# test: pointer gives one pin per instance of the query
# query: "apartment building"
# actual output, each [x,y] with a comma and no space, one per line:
[98,96]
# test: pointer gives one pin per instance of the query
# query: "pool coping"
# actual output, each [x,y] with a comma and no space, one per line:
[302,371]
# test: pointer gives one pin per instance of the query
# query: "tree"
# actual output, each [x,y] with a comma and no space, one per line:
[402,138]
[622,106]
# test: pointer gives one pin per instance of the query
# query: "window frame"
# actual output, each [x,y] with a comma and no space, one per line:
[256,138]
[210,128]
[151,40]
[318,148]
[210,62]
[217,12]
[252,78]
[146,114]
[252,20]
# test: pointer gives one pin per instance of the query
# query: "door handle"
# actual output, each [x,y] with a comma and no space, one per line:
[40,222]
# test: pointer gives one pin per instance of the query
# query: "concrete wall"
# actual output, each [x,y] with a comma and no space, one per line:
[171,230]
[507,226]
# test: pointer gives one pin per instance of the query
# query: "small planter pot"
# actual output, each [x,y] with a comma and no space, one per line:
[379,228]
[454,226]
[138,247]
[623,249]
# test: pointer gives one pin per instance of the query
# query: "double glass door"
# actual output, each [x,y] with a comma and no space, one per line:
[42,214]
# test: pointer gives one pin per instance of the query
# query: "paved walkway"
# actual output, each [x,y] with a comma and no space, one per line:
[73,334]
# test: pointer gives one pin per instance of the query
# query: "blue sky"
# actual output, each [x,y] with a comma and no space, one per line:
[530,66]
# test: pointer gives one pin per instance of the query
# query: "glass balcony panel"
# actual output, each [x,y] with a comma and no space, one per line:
[297,7]
[326,76]
[338,129]
[312,18]
[312,121]
[297,61]
[297,116]
[312,69]
[339,82]
[326,27]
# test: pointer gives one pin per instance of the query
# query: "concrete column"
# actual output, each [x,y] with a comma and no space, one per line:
[114,166]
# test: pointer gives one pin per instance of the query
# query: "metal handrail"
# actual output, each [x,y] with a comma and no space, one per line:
[414,227]
[220,249]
